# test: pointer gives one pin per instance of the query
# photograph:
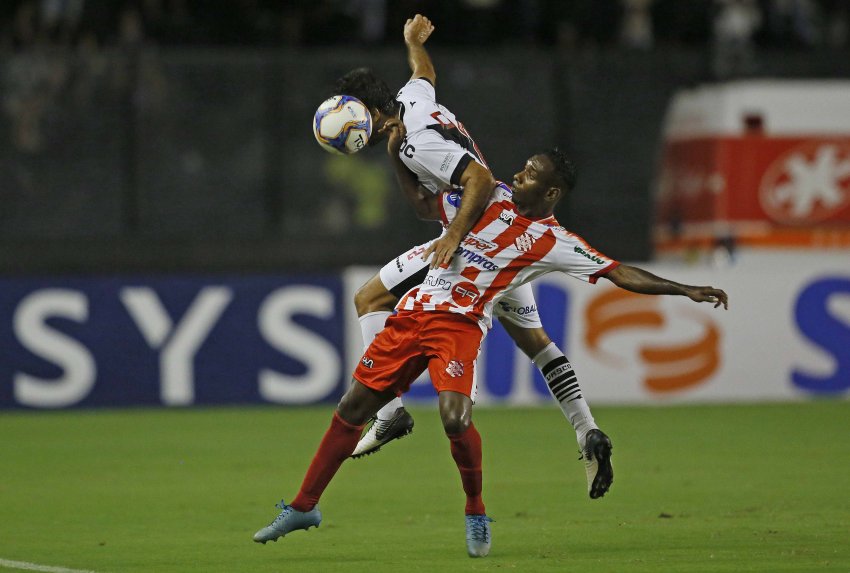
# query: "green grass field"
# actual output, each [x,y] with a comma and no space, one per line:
[719,488]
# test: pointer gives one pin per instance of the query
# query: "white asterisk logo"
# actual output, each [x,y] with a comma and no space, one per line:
[807,189]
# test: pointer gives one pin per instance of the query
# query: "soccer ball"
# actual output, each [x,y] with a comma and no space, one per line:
[342,124]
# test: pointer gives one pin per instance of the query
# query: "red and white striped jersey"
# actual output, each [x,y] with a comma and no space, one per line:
[502,251]
[437,147]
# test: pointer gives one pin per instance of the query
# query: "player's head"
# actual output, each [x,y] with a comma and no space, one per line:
[363,84]
[545,178]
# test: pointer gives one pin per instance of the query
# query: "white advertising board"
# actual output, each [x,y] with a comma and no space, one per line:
[785,336]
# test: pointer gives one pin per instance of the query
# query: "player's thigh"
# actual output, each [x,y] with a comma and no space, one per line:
[405,271]
[383,291]
[394,358]
[373,296]
[517,311]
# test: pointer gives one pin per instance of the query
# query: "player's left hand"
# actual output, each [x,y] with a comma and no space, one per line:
[396,132]
[443,250]
[709,294]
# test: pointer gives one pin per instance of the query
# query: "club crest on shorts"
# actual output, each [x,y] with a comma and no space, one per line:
[455,368]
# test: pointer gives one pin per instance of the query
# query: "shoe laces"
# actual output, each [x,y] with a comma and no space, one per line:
[284,511]
[478,528]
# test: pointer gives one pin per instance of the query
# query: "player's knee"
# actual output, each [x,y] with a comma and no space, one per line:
[455,422]
[353,408]
[538,341]
[370,298]
[532,340]
[362,300]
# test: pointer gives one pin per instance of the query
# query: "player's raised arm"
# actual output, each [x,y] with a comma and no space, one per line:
[416,33]
[426,204]
[641,281]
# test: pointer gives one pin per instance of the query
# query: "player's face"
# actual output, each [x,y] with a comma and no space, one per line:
[378,121]
[530,184]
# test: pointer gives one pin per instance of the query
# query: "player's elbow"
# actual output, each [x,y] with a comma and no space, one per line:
[620,276]
[478,180]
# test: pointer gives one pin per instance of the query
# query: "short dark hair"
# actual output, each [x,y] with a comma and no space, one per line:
[363,84]
[565,170]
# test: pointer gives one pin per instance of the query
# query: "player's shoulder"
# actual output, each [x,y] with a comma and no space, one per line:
[559,229]
[417,87]
[565,234]
[502,192]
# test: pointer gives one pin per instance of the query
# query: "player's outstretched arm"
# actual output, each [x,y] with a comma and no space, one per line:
[478,184]
[416,32]
[641,281]
[425,203]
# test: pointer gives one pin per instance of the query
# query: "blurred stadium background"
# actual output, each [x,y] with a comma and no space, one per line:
[171,235]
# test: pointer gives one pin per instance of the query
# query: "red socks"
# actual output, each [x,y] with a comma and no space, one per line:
[341,439]
[466,451]
[338,443]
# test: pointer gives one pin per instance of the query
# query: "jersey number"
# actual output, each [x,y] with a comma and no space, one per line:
[457,133]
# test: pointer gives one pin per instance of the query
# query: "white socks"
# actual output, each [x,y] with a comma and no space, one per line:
[370,325]
[563,385]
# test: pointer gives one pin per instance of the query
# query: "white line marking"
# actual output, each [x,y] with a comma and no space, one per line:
[36,567]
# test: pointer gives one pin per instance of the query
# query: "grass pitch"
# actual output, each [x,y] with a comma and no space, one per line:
[711,488]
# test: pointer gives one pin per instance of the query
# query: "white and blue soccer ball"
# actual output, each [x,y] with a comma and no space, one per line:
[342,124]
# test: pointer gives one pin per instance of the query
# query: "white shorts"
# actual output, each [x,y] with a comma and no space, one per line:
[408,270]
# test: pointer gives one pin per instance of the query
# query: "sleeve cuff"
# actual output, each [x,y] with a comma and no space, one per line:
[602,272]
[460,168]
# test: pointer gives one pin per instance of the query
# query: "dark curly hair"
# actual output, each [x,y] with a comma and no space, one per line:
[565,170]
[363,84]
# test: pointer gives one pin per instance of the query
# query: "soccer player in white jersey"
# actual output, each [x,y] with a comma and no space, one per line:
[441,323]
[441,154]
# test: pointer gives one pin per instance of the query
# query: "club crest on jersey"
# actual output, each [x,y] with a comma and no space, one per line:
[507,217]
[524,242]
[455,369]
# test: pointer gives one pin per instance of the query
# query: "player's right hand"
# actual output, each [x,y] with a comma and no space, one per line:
[709,294]
[395,130]
[417,29]
[443,249]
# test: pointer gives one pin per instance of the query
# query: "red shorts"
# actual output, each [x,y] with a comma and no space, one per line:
[445,343]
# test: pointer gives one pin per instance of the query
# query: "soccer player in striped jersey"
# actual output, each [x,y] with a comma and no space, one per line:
[441,323]
[441,154]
